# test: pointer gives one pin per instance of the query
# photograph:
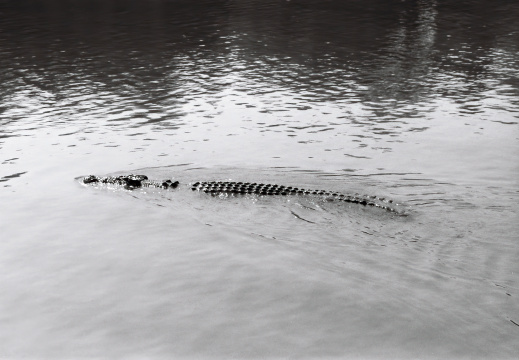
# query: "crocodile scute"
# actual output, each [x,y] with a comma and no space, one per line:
[224,187]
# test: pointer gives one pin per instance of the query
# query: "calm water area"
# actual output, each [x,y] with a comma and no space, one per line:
[413,100]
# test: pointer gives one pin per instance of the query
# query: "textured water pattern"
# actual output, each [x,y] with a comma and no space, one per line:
[415,101]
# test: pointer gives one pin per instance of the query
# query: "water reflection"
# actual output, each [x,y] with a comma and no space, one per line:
[150,63]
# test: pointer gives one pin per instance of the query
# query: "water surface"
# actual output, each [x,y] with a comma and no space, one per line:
[411,100]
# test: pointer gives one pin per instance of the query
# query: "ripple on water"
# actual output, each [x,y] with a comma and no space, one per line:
[414,101]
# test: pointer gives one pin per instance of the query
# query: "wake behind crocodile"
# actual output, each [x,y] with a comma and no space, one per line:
[233,188]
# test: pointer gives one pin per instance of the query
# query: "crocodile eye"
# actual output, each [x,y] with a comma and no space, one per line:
[90,179]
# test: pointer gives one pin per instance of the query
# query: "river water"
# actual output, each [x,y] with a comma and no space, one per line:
[417,101]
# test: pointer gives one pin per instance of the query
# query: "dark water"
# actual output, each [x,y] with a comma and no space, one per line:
[412,100]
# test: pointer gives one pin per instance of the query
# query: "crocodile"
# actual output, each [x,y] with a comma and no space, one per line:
[214,188]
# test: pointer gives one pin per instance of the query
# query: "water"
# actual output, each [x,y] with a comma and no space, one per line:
[411,100]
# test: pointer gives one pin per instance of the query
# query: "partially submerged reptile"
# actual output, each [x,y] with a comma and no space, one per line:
[242,188]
